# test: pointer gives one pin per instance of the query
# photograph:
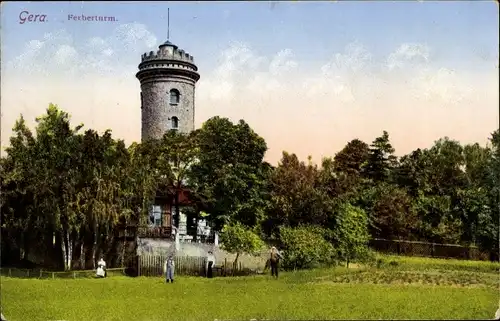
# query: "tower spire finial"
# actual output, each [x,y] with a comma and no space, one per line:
[168,24]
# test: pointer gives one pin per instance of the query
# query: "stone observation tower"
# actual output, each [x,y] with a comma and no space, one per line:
[168,78]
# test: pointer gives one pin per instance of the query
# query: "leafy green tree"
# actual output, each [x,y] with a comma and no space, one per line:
[177,153]
[353,157]
[436,179]
[238,239]
[471,205]
[55,177]
[143,178]
[230,176]
[351,233]
[488,234]
[19,220]
[446,165]
[413,173]
[65,191]
[340,177]
[436,222]
[476,159]
[392,213]
[294,196]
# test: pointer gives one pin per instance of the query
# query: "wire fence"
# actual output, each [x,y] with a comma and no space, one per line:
[41,274]
[425,249]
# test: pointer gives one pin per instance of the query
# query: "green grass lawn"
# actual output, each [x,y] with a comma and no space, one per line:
[409,289]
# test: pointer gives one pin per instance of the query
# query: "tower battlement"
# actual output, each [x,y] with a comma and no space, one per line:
[168,51]
[164,53]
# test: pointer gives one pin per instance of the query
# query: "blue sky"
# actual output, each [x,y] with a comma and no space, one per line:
[421,70]
[460,32]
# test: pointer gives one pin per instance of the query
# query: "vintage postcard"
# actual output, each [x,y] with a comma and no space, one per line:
[252,160]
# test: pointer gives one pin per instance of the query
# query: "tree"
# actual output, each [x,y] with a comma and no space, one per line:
[436,222]
[381,159]
[176,155]
[143,177]
[414,171]
[353,157]
[238,239]
[341,177]
[392,213]
[229,175]
[488,234]
[72,188]
[476,159]
[446,166]
[435,178]
[19,217]
[294,196]
[351,232]
[471,205]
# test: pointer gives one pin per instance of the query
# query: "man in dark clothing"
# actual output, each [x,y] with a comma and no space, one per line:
[210,264]
[274,261]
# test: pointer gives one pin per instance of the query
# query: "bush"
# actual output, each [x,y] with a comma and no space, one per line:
[305,248]
[236,238]
[366,256]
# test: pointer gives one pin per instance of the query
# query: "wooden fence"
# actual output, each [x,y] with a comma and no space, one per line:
[41,274]
[152,265]
[414,248]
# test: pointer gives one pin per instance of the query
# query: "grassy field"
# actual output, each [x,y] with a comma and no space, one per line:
[398,288]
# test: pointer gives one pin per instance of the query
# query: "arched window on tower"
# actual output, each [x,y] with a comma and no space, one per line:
[174,97]
[175,122]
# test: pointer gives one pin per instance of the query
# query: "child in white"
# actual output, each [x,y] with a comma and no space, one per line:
[169,268]
[101,268]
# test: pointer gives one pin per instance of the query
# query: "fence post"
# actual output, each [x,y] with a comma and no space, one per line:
[52,275]
[139,262]
[40,273]
[74,275]
[28,273]
[10,273]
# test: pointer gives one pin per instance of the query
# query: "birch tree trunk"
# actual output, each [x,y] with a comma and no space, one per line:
[64,249]
[94,247]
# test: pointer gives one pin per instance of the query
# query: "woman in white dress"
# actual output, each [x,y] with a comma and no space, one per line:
[101,268]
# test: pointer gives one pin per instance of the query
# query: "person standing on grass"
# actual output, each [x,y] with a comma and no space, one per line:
[274,261]
[210,264]
[101,268]
[169,268]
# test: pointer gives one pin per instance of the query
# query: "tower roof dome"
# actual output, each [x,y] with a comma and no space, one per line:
[169,44]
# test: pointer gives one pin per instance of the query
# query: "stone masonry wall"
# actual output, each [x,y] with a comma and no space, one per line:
[157,112]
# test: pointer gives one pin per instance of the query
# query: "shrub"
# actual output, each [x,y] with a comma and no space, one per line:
[305,248]
[238,239]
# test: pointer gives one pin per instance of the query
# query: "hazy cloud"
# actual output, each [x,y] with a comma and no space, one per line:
[294,108]
[408,53]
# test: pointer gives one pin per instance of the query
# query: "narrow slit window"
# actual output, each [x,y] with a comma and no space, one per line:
[175,122]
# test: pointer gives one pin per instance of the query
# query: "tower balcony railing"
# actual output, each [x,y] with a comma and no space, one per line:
[147,231]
